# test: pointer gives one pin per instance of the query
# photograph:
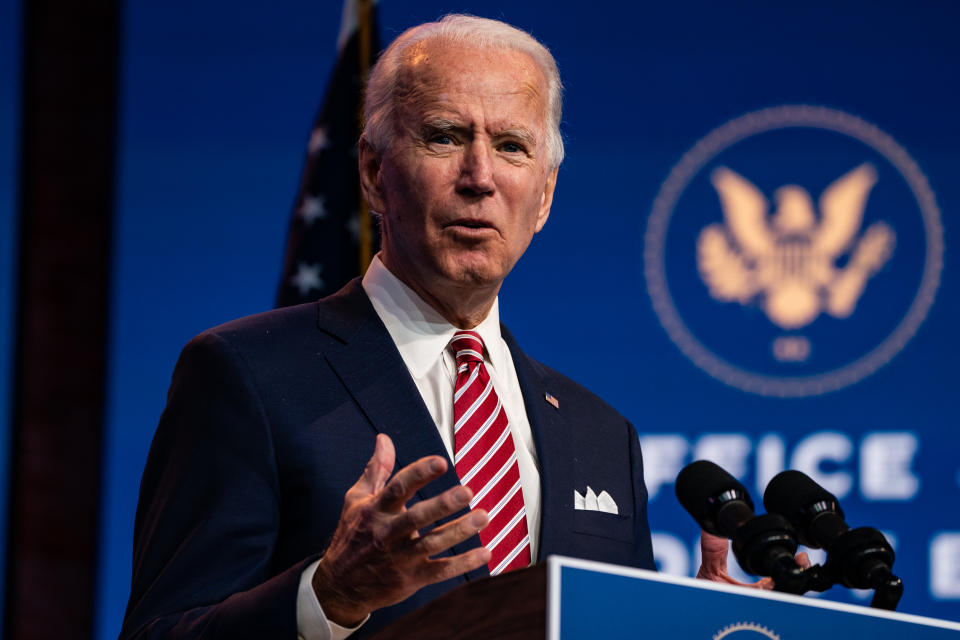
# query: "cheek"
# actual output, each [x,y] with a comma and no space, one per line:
[423,186]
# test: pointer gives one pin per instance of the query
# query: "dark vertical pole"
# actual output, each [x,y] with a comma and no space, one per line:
[66,201]
[364,38]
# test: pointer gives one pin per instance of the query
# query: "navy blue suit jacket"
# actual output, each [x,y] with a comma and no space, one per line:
[271,418]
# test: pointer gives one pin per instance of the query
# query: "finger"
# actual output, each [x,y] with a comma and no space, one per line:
[713,552]
[429,511]
[765,584]
[380,466]
[451,533]
[405,482]
[440,569]
[803,560]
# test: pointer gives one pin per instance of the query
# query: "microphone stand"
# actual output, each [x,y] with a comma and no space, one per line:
[858,559]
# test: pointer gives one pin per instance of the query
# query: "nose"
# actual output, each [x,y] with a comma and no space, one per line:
[476,171]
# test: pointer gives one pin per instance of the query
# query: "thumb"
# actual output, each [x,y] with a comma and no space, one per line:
[380,466]
[713,553]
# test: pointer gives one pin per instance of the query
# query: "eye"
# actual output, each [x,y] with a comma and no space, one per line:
[441,138]
[513,147]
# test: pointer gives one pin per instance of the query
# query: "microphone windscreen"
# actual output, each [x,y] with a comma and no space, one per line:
[791,492]
[700,483]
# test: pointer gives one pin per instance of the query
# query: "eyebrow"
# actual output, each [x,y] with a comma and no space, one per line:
[439,123]
[523,134]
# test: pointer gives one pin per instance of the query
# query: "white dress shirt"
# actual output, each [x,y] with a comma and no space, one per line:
[422,336]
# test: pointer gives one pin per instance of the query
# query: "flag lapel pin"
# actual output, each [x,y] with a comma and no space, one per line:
[549,398]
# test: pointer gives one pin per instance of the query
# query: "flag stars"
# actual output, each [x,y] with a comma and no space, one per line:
[307,278]
[353,225]
[313,208]
[318,140]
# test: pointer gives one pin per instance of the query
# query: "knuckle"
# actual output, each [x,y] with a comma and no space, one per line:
[378,543]
[430,545]
[451,502]
[394,490]
[405,521]
[451,569]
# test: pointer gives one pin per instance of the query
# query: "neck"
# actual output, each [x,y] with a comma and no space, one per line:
[464,307]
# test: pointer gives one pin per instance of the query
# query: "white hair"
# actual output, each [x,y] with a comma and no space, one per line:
[382,87]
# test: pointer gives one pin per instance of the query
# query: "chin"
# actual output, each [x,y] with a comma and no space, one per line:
[474,273]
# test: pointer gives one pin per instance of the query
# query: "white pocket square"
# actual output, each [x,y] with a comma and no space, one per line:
[593,502]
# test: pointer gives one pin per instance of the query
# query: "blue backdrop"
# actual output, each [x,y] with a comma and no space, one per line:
[694,335]
[9,117]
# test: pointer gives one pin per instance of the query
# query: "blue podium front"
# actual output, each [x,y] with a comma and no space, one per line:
[596,600]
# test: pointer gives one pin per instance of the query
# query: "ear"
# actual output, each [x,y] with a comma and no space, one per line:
[369,165]
[547,199]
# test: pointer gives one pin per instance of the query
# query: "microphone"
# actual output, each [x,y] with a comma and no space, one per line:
[857,558]
[763,545]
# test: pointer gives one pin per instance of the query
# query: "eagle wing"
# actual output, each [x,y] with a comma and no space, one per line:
[724,271]
[841,210]
[745,212]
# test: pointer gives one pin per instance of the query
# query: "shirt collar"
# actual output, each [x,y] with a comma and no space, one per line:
[419,331]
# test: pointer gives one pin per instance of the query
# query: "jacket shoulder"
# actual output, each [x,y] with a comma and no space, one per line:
[573,393]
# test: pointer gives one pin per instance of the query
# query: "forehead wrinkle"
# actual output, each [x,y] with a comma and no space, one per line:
[422,84]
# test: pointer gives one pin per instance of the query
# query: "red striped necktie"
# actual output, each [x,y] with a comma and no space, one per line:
[486,459]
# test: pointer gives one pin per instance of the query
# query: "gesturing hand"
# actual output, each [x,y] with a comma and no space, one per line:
[713,563]
[377,557]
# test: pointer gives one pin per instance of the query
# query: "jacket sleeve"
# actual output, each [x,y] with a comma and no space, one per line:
[643,545]
[208,513]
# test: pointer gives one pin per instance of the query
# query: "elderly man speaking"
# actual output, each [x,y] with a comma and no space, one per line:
[252,522]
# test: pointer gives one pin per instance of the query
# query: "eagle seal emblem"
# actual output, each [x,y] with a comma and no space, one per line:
[789,259]
[793,251]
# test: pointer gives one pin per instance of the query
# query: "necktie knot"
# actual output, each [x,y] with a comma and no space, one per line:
[467,347]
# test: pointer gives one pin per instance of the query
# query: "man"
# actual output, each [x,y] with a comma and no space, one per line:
[252,522]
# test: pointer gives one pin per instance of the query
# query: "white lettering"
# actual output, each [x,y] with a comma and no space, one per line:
[883,469]
[771,454]
[813,450]
[663,457]
[945,566]
[885,466]
[729,450]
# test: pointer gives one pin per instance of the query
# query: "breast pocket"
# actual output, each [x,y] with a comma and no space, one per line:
[603,525]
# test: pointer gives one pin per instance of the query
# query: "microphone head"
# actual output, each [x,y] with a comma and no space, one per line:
[703,487]
[794,495]
[791,492]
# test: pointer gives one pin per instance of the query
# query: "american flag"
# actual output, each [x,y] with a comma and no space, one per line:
[331,237]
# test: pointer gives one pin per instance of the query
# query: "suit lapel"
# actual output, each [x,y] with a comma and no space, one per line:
[552,438]
[370,367]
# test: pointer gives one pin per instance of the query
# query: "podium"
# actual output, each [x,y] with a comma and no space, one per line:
[568,599]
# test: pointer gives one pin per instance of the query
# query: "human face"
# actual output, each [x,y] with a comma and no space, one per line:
[466,182]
